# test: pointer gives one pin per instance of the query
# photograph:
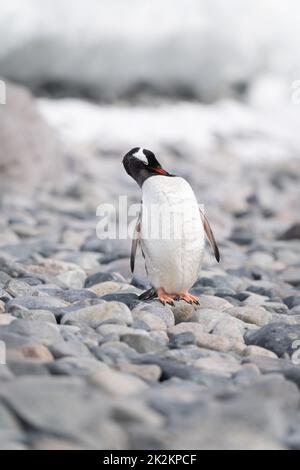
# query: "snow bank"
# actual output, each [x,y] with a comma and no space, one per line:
[197,48]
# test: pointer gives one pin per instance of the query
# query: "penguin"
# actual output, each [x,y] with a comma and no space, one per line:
[170,229]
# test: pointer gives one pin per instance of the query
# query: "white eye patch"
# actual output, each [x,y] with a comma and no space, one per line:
[140,155]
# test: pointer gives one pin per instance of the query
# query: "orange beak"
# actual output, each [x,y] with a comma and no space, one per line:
[160,171]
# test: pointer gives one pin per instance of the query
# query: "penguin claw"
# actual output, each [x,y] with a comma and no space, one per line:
[189,298]
[166,298]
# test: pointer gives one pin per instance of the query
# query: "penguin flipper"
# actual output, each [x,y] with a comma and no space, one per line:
[135,242]
[210,236]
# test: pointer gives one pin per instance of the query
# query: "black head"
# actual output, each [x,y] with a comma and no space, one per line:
[141,163]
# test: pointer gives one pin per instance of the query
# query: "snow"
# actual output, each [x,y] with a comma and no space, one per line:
[243,131]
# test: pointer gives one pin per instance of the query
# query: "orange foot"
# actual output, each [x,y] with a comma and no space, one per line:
[189,298]
[166,298]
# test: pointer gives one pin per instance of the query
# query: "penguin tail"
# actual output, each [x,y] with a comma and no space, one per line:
[148,294]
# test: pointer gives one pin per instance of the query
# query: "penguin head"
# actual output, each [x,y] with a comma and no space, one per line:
[141,163]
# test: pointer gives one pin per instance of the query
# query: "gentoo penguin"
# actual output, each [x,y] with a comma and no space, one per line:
[170,229]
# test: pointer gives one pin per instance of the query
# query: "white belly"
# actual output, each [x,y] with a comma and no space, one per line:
[172,233]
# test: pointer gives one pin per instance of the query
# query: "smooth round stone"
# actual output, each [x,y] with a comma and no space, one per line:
[153,322]
[216,303]
[292,301]
[37,351]
[254,300]
[76,295]
[276,307]
[44,332]
[252,315]
[180,328]
[101,277]
[291,275]
[128,298]
[68,273]
[76,366]
[217,364]
[219,343]
[183,311]
[104,288]
[113,329]
[258,351]
[292,233]
[19,289]
[208,318]
[117,383]
[94,316]
[261,259]
[36,303]
[164,312]
[295,310]
[69,348]
[74,279]
[142,342]
[280,338]
[148,372]
[6,319]
[230,328]
[40,315]
[183,339]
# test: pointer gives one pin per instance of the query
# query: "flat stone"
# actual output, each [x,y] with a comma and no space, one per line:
[257,351]
[37,351]
[142,342]
[154,322]
[69,348]
[104,288]
[64,406]
[182,339]
[208,318]
[218,343]
[164,312]
[148,372]
[291,275]
[215,303]
[276,307]
[292,233]
[68,273]
[76,366]
[36,303]
[253,315]
[101,277]
[37,331]
[76,295]
[183,327]
[292,301]
[128,298]
[94,316]
[222,365]
[29,367]
[282,339]
[6,319]
[26,314]
[19,289]
[117,383]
